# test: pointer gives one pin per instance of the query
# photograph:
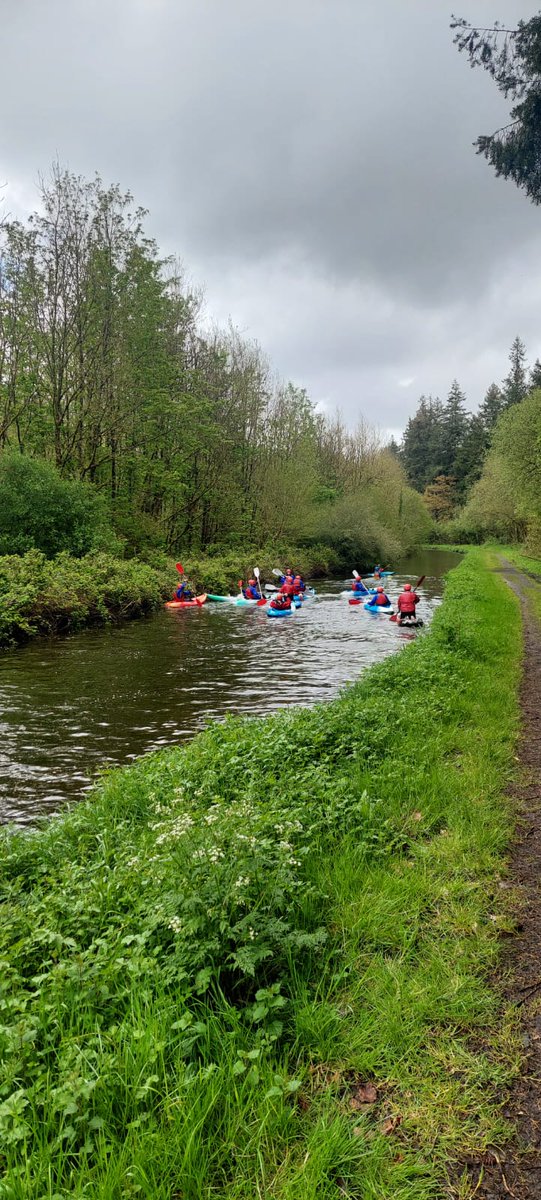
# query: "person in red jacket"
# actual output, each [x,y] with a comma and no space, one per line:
[407,601]
[380,599]
[281,600]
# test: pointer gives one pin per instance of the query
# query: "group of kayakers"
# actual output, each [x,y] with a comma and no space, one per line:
[406,603]
[291,585]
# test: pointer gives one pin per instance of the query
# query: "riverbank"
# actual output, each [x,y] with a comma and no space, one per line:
[52,596]
[255,966]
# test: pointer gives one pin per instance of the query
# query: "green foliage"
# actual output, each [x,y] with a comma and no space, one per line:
[513,59]
[107,370]
[202,961]
[41,511]
[39,595]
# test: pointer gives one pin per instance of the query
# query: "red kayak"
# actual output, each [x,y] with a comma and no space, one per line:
[195,603]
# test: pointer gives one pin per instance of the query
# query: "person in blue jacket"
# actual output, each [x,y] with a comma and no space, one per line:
[358,588]
[184,591]
[250,592]
[380,600]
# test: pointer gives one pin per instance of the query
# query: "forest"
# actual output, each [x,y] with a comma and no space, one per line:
[128,424]
[480,473]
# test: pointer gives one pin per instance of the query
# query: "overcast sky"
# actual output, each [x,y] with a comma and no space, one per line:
[311,163]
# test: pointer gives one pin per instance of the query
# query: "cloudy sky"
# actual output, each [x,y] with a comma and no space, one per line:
[311,163]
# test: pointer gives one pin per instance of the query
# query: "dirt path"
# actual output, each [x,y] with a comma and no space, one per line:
[517,1171]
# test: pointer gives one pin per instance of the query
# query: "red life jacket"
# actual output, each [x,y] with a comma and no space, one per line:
[289,588]
[407,602]
[381,600]
[281,602]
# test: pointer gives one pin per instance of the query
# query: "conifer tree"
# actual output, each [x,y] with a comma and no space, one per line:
[515,384]
[491,408]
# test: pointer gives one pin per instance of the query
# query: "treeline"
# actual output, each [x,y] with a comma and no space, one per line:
[108,373]
[445,447]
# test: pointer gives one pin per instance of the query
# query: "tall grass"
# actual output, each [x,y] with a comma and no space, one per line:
[252,967]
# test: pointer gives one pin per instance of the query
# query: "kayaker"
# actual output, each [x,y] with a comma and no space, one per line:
[407,601]
[281,600]
[378,570]
[288,588]
[184,591]
[288,577]
[358,587]
[299,585]
[250,592]
[381,599]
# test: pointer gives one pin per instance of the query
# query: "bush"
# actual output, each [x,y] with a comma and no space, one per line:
[41,511]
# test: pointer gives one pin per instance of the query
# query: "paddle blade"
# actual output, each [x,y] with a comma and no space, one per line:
[261,603]
[256,572]
[276,572]
[180,568]
[393,618]
[419,581]
[356,574]
[354,601]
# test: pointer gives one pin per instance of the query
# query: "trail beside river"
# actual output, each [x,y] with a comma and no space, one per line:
[516,1172]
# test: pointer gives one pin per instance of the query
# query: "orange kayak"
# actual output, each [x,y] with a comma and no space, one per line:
[195,603]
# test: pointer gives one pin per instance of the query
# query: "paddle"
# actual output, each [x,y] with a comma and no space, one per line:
[180,568]
[394,617]
[276,572]
[263,600]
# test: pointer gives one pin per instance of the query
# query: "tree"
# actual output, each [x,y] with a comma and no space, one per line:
[513,59]
[515,384]
[455,425]
[422,445]
[440,497]
[535,376]
[490,409]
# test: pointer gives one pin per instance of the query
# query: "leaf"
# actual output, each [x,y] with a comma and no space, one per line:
[239,1067]
[390,1124]
[364,1094]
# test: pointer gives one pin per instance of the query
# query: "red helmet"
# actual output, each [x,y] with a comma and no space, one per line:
[297,577]
[407,587]
[251,581]
[380,589]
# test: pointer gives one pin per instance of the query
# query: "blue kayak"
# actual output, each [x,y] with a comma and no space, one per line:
[378,608]
[285,612]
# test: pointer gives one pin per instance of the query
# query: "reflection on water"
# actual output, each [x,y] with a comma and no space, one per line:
[69,705]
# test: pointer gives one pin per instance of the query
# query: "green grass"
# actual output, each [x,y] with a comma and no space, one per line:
[203,962]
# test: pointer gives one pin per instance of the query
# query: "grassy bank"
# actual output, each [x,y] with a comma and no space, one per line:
[256,966]
[49,596]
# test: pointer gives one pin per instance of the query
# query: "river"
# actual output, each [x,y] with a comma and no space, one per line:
[70,705]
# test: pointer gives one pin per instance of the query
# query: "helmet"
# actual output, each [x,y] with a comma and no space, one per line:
[297,577]
[407,587]
[380,589]
[251,581]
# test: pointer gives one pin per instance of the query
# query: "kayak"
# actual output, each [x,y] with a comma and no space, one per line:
[285,612]
[416,623]
[350,595]
[381,574]
[240,600]
[378,608]
[195,603]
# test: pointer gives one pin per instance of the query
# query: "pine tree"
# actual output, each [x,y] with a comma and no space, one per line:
[491,408]
[535,376]
[515,384]
[455,425]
